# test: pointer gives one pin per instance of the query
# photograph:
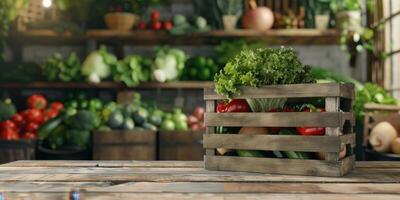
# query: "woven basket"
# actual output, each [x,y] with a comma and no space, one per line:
[121,21]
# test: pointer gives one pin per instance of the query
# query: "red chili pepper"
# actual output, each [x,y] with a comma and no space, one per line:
[311,130]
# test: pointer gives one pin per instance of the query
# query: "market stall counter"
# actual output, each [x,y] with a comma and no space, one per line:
[187,180]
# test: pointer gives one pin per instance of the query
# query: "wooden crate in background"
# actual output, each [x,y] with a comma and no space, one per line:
[17,150]
[338,120]
[180,145]
[124,145]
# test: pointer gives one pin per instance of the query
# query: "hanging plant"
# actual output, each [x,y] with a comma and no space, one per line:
[8,12]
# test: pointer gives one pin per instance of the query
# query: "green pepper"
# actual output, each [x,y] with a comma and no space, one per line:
[71,104]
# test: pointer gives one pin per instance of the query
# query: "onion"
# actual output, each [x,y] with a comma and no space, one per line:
[192,120]
[258,18]
[342,153]
[198,112]
[381,137]
[396,146]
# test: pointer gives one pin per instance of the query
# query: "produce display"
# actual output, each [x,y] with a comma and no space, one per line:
[258,67]
[200,68]
[25,124]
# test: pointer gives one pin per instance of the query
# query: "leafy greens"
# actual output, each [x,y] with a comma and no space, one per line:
[262,66]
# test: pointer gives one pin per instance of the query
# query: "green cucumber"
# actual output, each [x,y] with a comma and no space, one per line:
[45,130]
[293,154]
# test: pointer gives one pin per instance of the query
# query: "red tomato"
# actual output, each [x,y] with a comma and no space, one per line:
[155,15]
[18,120]
[9,134]
[50,114]
[36,101]
[156,26]
[8,124]
[167,25]
[142,25]
[29,136]
[33,115]
[32,127]
[57,106]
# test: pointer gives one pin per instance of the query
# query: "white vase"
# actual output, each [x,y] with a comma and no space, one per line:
[321,22]
[230,22]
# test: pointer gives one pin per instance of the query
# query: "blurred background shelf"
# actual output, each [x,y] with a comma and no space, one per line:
[272,37]
[108,85]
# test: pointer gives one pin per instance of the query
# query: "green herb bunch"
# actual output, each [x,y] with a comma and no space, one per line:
[262,66]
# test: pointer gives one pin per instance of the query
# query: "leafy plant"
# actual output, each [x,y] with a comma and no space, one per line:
[56,68]
[229,49]
[371,93]
[8,12]
[132,70]
[262,66]
[230,7]
[345,5]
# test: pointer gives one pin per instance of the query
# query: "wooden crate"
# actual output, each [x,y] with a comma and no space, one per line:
[338,120]
[180,145]
[124,145]
[17,150]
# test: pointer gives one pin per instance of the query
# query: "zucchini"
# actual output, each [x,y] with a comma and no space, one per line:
[293,154]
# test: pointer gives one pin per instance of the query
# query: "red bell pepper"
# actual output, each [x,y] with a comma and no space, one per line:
[311,130]
[236,105]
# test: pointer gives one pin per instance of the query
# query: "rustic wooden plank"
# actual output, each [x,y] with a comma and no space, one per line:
[210,108]
[363,175]
[274,165]
[347,91]
[274,142]
[381,107]
[105,164]
[109,85]
[292,119]
[378,164]
[349,139]
[50,186]
[332,104]
[230,187]
[286,91]
[190,196]
[347,164]
[204,187]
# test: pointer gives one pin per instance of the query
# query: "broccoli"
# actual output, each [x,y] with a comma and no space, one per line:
[82,120]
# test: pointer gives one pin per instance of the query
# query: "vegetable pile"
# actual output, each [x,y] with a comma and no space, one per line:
[56,68]
[257,67]
[26,123]
[200,68]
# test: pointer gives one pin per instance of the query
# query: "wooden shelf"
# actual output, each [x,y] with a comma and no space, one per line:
[147,37]
[108,85]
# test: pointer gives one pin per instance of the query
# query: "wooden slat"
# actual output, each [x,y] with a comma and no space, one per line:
[210,108]
[107,85]
[381,107]
[288,91]
[179,174]
[205,187]
[105,164]
[274,165]
[180,145]
[277,142]
[191,196]
[292,119]
[332,104]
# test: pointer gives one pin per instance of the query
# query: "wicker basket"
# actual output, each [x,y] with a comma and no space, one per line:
[121,21]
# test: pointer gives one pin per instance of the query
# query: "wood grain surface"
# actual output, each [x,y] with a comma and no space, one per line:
[188,180]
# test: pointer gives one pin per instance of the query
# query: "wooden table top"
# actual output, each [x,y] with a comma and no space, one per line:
[175,180]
